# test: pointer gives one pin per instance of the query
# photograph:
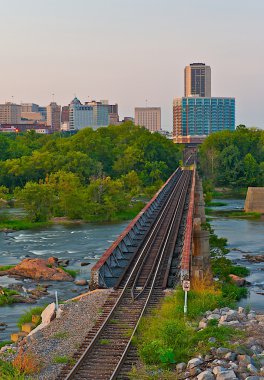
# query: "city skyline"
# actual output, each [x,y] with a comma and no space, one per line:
[114,50]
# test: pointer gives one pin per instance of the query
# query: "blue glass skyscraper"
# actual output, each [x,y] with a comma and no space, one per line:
[197,117]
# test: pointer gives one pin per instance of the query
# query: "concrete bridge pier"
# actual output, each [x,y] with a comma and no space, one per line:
[200,265]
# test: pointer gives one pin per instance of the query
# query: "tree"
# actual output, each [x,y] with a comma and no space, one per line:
[38,199]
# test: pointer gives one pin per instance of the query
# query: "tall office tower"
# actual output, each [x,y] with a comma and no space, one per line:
[80,116]
[197,80]
[54,116]
[148,117]
[194,118]
[65,110]
[10,113]
[113,114]
[100,113]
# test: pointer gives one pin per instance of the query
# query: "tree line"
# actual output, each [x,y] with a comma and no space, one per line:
[93,175]
[234,159]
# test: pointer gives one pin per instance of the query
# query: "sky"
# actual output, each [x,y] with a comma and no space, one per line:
[130,51]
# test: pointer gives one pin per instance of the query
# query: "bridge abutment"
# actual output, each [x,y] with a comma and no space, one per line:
[200,264]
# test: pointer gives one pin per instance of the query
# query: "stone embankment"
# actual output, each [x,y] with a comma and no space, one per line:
[243,359]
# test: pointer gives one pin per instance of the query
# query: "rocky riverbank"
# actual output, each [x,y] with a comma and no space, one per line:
[243,359]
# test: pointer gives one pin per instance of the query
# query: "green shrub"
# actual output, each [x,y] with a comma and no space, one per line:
[71,272]
[166,337]
[27,316]
[6,267]
[8,372]
[5,343]
[6,298]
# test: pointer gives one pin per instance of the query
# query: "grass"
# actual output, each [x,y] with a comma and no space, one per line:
[60,335]
[23,224]
[6,267]
[166,337]
[6,296]
[9,372]
[63,360]
[26,363]
[104,342]
[27,316]
[233,214]
[71,272]
[5,343]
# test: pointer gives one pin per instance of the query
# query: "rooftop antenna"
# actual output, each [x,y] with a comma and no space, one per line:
[12,99]
[53,97]
[146,103]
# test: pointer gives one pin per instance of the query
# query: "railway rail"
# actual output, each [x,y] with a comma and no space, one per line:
[106,352]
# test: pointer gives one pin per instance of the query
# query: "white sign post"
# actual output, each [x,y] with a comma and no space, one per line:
[56,300]
[186,287]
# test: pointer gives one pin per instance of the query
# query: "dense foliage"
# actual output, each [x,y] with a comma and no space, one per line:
[93,175]
[234,159]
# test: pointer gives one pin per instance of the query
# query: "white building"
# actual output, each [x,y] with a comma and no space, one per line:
[80,116]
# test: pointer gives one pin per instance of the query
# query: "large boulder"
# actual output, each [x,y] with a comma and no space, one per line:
[239,281]
[39,269]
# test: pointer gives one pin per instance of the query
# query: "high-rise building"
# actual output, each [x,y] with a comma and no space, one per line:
[100,113]
[29,107]
[148,117]
[194,118]
[80,116]
[65,112]
[197,80]
[54,116]
[10,113]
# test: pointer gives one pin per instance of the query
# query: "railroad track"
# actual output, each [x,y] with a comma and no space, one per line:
[106,352]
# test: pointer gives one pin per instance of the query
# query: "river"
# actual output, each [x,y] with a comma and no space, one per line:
[87,242]
[245,236]
[78,243]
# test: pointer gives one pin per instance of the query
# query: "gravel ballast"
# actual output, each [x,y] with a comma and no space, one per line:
[63,336]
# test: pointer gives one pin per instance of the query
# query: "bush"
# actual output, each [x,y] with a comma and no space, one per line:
[71,272]
[6,296]
[166,337]
[26,363]
[8,372]
[27,316]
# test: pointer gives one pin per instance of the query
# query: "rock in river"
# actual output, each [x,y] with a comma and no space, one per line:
[39,269]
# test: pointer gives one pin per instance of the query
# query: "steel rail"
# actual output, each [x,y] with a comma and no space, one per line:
[161,256]
[74,370]
[132,291]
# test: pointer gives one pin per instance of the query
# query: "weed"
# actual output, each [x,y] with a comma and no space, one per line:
[127,333]
[26,363]
[8,372]
[27,316]
[71,272]
[6,267]
[104,342]
[5,343]
[6,296]
[113,321]
[60,335]
[63,360]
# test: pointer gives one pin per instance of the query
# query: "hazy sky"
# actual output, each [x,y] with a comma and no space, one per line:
[128,51]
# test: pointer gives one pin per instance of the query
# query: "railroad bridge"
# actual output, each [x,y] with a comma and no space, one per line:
[163,244]
[189,245]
